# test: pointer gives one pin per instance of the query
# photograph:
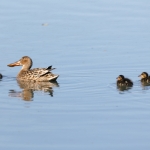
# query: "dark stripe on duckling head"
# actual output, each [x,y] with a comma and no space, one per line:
[144,75]
[120,77]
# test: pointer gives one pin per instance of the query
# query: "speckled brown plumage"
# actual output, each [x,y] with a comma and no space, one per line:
[36,74]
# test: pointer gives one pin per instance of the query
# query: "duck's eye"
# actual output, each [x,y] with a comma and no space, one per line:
[25,61]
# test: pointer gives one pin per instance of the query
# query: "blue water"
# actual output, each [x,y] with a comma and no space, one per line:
[89,43]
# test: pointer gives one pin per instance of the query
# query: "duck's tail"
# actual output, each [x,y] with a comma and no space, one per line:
[54,77]
[50,68]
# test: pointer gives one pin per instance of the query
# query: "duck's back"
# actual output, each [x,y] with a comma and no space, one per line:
[128,82]
[125,82]
[146,80]
[37,74]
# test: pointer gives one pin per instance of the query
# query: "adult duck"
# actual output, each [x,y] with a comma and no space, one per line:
[36,74]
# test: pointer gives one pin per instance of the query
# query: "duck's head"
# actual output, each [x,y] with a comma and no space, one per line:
[120,77]
[25,62]
[143,75]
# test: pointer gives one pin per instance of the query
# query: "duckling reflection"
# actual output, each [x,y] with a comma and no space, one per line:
[123,88]
[123,83]
[29,87]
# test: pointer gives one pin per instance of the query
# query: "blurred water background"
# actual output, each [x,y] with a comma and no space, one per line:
[90,42]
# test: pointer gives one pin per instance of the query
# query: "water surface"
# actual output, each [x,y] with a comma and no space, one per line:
[90,43]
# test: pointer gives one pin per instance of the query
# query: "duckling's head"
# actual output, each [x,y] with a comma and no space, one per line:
[143,75]
[120,77]
[25,62]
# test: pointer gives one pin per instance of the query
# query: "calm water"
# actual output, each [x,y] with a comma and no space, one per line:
[90,43]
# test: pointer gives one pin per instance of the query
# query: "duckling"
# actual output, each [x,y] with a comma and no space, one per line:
[1,76]
[144,77]
[122,81]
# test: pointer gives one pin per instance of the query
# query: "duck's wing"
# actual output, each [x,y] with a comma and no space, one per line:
[42,74]
[39,72]
[128,82]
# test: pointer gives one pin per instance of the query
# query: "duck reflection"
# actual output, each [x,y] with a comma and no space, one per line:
[29,87]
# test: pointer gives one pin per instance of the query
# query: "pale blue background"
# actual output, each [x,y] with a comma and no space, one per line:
[90,42]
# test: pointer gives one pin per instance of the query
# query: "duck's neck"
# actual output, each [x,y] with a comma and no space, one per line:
[26,66]
[23,70]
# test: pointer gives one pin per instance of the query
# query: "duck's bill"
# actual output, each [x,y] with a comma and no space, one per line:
[118,78]
[17,63]
[139,75]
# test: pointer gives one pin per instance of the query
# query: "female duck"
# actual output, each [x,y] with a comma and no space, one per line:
[122,81]
[36,74]
[145,77]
